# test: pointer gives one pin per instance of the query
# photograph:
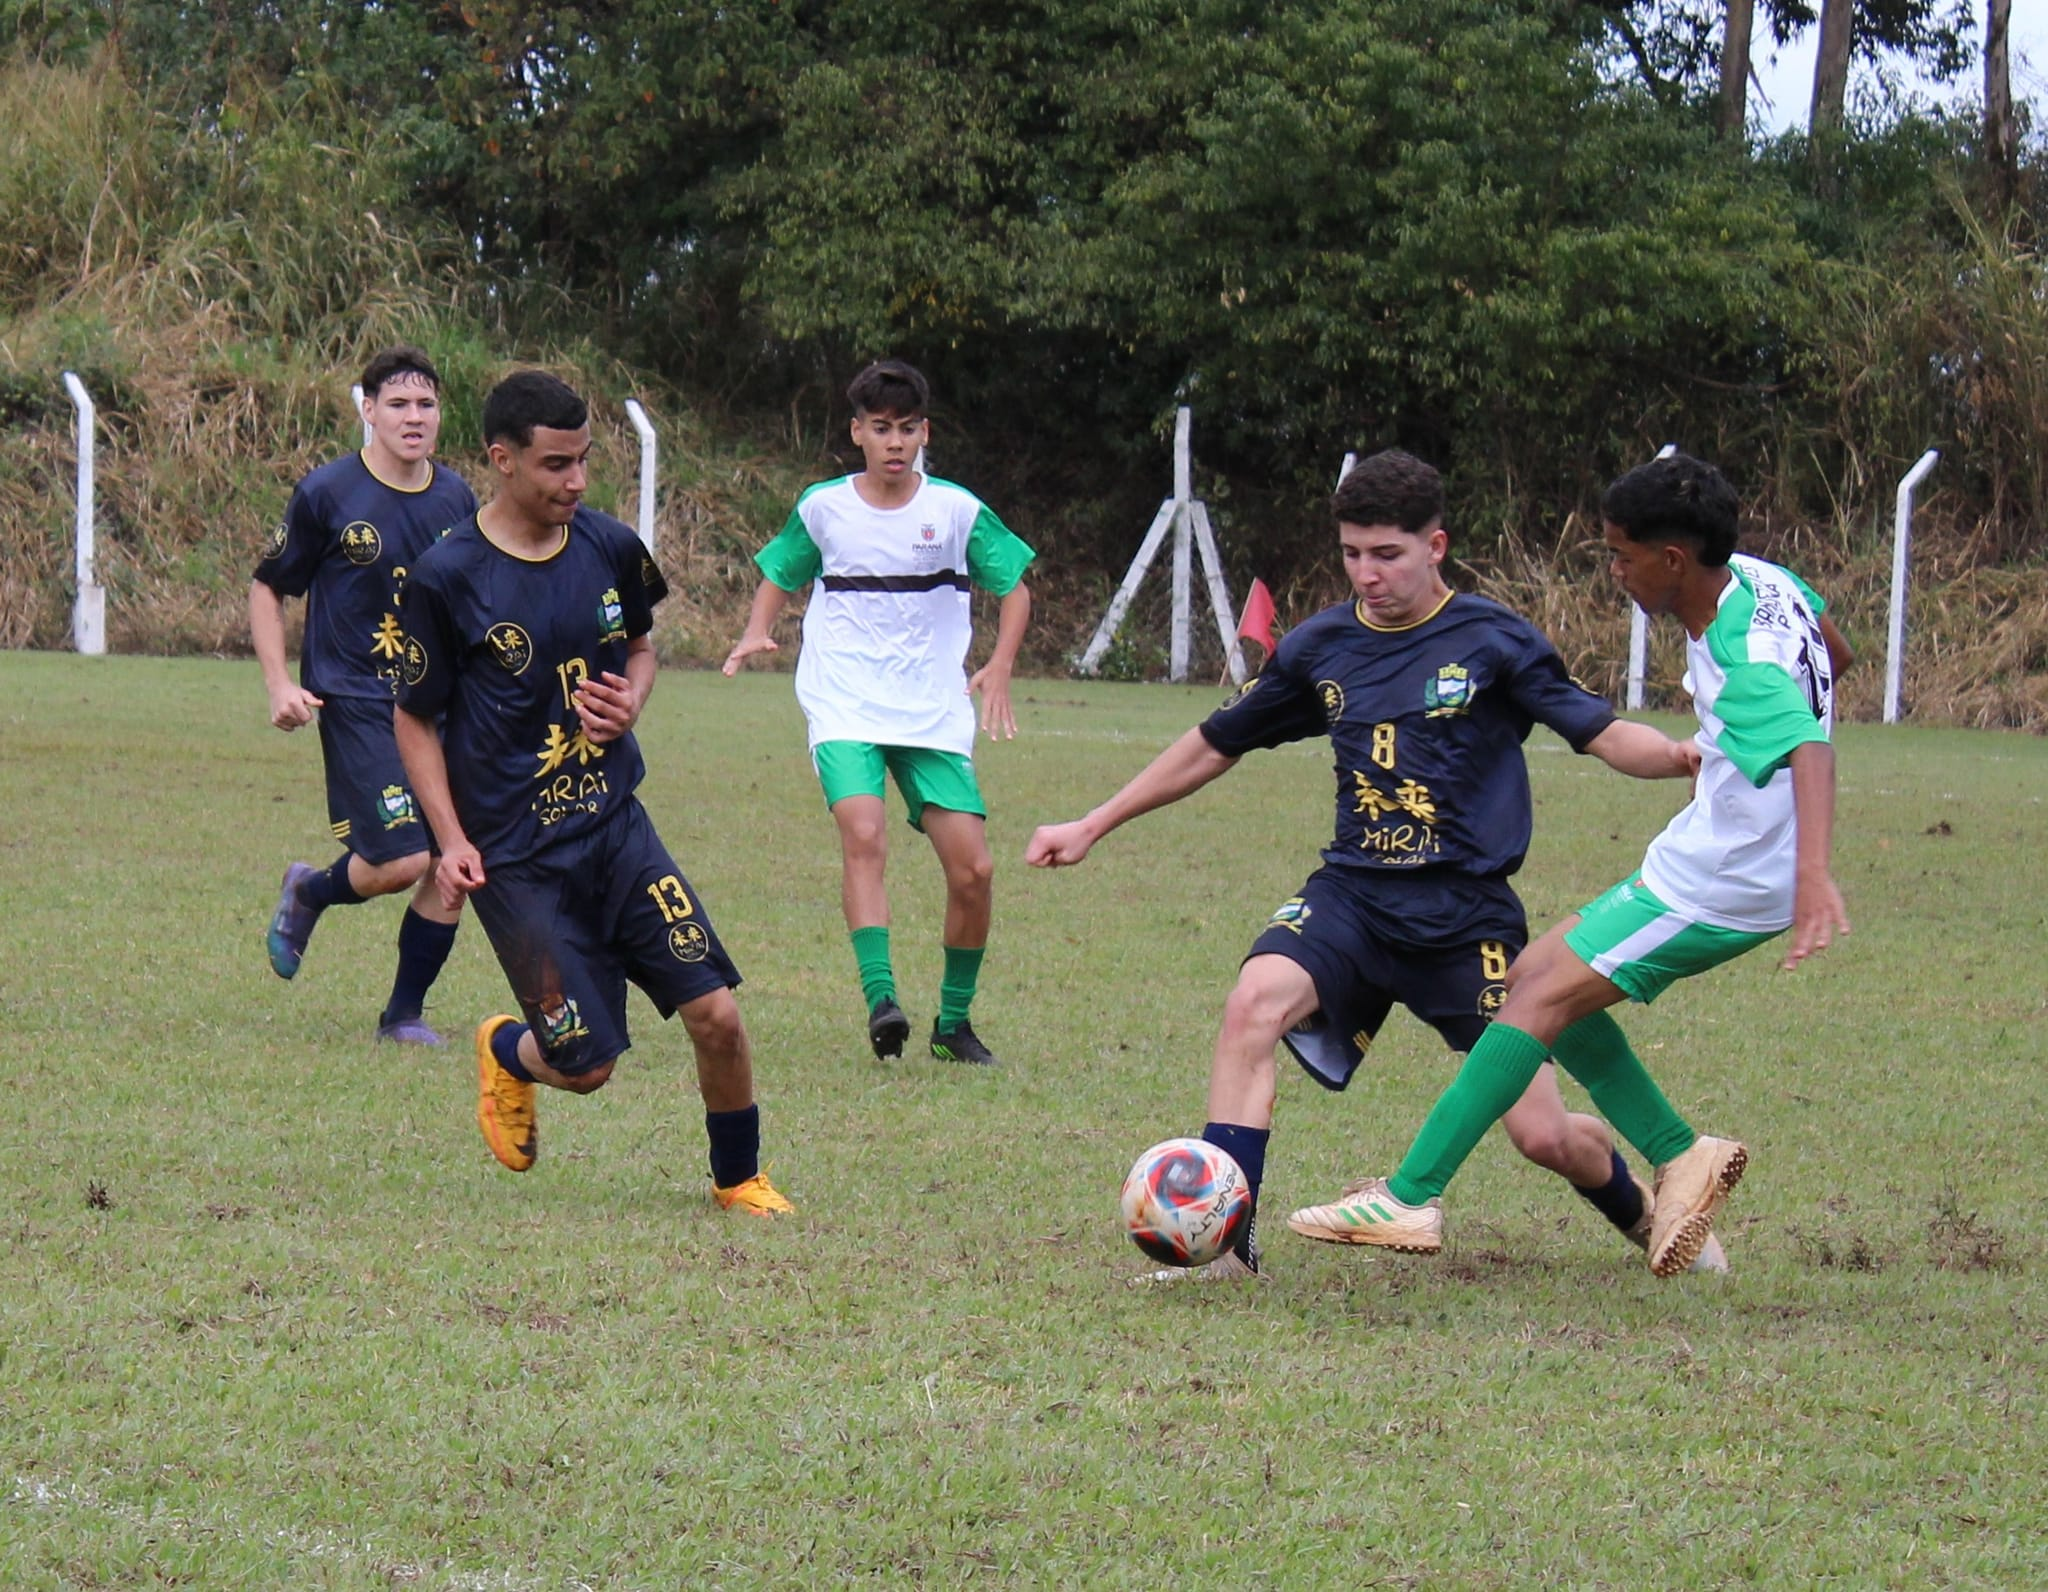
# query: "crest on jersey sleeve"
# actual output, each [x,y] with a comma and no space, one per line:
[414,663]
[1333,699]
[277,539]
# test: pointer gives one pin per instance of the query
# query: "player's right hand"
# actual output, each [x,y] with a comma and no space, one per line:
[293,706]
[1058,845]
[745,648]
[460,870]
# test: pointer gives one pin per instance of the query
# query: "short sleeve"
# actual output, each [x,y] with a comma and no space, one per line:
[996,556]
[426,667]
[793,560]
[1270,709]
[292,554]
[1764,716]
[640,583]
[1543,688]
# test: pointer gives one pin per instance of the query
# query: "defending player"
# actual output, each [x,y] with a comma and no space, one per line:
[1427,696]
[1745,860]
[353,529]
[884,688]
[528,629]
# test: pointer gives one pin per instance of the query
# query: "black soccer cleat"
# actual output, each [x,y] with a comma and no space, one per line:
[960,1043]
[887,1029]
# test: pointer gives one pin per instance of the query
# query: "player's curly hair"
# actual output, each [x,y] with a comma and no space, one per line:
[890,387]
[1679,499]
[1390,488]
[529,398]
[401,359]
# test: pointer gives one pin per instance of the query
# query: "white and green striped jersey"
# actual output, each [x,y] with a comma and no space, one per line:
[1762,685]
[886,634]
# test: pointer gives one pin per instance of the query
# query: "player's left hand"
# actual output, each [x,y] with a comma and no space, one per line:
[607,705]
[998,722]
[1818,915]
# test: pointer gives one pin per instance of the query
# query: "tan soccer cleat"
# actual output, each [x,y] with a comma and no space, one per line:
[1689,1190]
[1712,1258]
[504,1104]
[756,1197]
[1368,1213]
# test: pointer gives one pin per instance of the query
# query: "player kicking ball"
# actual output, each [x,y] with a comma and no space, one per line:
[353,528]
[1747,859]
[1426,695]
[527,638]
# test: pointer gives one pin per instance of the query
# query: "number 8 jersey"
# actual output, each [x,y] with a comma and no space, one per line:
[496,645]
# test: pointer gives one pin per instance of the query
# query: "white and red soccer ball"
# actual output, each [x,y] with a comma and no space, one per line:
[1186,1202]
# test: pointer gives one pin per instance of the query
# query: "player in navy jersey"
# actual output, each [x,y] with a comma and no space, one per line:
[527,642]
[1426,696]
[352,530]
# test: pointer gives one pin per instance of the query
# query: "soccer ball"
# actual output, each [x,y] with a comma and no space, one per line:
[1186,1202]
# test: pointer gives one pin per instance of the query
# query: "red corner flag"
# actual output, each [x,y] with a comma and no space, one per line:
[1256,623]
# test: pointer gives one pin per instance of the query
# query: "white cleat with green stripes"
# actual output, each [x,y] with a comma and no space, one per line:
[1366,1213]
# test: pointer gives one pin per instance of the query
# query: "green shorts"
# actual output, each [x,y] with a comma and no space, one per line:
[1633,939]
[926,776]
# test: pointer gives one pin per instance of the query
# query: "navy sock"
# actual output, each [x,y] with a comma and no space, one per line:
[330,889]
[735,1144]
[1247,1147]
[423,946]
[1618,1199]
[505,1046]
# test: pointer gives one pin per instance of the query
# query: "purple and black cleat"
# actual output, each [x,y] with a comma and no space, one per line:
[291,926]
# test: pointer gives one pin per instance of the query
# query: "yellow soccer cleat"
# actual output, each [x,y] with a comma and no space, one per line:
[504,1104]
[1368,1213]
[756,1196]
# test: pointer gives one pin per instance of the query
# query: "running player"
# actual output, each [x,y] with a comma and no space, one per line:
[883,685]
[353,529]
[527,635]
[1427,696]
[1745,860]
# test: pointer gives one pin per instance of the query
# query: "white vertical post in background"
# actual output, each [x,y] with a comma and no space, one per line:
[645,428]
[1344,469]
[1183,545]
[89,608]
[355,397]
[1639,632]
[1902,541]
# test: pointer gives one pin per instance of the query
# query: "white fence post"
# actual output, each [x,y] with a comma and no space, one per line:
[1639,632]
[89,608]
[645,427]
[1902,540]
[355,397]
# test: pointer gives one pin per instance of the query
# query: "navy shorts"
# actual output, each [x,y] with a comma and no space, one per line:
[574,923]
[369,804]
[1372,940]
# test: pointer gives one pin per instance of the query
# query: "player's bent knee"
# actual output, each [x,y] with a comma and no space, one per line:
[589,1082]
[713,1023]
[582,1067]
[401,873]
[1545,1145]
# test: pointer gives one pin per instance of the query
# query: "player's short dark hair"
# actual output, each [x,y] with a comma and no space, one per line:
[1679,499]
[529,398]
[1390,488]
[890,387]
[401,359]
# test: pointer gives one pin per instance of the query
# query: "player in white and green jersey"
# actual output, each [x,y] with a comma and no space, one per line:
[1745,860]
[891,556]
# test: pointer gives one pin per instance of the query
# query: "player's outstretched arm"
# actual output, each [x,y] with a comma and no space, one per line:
[291,705]
[1818,913]
[1182,769]
[769,599]
[1645,752]
[992,679]
[461,868]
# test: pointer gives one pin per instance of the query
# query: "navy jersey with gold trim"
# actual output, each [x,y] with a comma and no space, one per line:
[498,644]
[1427,724]
[345,544]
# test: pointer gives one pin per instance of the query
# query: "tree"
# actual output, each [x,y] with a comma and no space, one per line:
[1831,67]
[2001,136]
[1735,69]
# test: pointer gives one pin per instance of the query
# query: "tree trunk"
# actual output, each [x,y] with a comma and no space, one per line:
[1831,67]
[1735,67]
[2001,139]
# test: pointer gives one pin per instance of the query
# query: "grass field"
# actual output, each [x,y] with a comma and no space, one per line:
[271,1316]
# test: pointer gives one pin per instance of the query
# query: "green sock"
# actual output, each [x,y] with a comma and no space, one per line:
[1493,1078]
[871,951]
[956,986]
[1595,1051]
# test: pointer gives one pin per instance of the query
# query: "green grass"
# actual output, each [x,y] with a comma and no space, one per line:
[270,1315]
